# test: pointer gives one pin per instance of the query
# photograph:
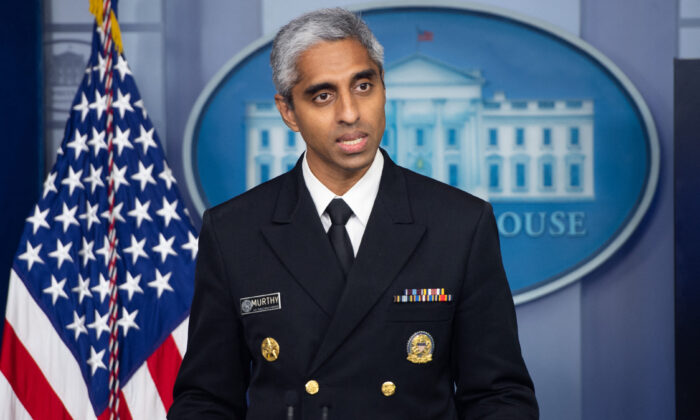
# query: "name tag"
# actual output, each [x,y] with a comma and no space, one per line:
[261,303]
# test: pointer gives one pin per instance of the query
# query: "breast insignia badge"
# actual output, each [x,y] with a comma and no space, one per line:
[270,349]
[420,347]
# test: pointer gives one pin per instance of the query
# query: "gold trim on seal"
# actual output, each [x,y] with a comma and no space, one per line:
[420,347]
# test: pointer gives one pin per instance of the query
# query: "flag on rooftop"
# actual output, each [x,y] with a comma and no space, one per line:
[101,284]
[425,35]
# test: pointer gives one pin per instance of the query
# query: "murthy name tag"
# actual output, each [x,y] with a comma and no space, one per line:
[261,303]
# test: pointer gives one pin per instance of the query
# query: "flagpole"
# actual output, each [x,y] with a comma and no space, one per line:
[107,24]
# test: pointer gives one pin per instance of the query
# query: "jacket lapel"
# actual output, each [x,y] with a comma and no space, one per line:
[299,241]
[389,239]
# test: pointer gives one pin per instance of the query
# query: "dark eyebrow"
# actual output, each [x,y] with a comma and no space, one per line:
[311,90]
[364,74]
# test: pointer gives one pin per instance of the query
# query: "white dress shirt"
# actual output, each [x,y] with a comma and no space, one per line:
[360,198]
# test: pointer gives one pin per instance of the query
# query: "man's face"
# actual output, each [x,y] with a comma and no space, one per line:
[338,108]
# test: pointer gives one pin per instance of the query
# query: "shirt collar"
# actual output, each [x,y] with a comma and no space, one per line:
[360,197]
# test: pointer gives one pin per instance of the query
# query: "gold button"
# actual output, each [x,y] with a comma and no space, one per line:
[311,387]
[388,388]
[270,349]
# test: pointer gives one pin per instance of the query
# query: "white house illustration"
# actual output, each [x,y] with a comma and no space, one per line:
[439,124]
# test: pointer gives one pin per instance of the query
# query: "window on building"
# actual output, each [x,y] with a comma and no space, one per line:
[419,137]
[520,137]
[264,172]
[264,139]
[494,175]
[520,175]
[547,175]
[493,137]
[547,137]
[453,174]
[452,137]
[291,139]
[574,136]
[575,175]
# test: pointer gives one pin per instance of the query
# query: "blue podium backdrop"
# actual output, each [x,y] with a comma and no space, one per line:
[532,119]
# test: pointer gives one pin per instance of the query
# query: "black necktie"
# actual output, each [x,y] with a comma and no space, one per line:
[340,212]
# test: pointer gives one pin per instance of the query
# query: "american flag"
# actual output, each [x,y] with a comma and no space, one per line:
[56,350]
[425,35]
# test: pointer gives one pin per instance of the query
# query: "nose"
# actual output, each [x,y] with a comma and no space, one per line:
[347,109]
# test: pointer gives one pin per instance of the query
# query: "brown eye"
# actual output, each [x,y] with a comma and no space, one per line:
[364,87]
[322,97]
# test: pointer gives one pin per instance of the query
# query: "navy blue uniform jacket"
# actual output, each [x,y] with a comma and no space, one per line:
[350,336]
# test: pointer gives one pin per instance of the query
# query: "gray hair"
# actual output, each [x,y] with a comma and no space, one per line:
[309,29]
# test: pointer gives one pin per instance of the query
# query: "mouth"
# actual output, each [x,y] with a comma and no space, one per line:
[352,142]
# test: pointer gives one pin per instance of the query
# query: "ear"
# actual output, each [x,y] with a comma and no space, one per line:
[286,112]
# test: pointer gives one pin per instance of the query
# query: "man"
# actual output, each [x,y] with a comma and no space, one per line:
[388,303]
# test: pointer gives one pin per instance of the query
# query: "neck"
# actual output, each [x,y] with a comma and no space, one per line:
[338,182]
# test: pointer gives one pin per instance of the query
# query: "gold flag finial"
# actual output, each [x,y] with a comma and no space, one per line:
[97,9]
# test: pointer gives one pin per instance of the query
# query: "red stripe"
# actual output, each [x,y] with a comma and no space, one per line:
[123,412]
[27,380]
[163,365]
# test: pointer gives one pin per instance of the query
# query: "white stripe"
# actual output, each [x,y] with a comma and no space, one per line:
[12,408]
[52,356]
[180,336]
[142,396]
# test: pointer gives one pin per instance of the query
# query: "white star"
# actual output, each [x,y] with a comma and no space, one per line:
[161,283]
[118,176]
[73,180]
[101,33]
[100,324]
[146,139]
[103,289]
[86,251]
[78,144]
[122,67]
[95,178]
[100,104]
[139,104]
[31,255]
[38,219]
[50,184]
[136,249]
[127,320]
[83,288]
[144,175]
[164,247]
[95,360]
[121,140]
[192,245]
[78,325]
[56,289]
[167,175]
[116,212]
[67,217]
[97,141]
[168,212]
[101,66]
[90,214]
[82,107]
[140,212]
[122,103]
[131,285]
[59,151]
[88,73]
[104,251]
[61,253]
